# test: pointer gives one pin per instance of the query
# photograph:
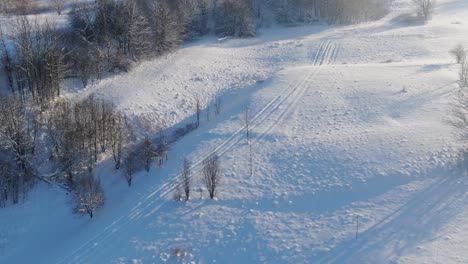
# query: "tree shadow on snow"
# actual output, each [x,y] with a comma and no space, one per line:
[413,223]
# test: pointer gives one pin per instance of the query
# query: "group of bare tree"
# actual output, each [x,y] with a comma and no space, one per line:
[332,11]
[79,132]
[145,154]
[73,135]
[211,179]
[112,34]
[24,7]
[21,7]
[33,59]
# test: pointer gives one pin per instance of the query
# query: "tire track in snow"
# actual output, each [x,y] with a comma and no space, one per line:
[328,56]
[156,199]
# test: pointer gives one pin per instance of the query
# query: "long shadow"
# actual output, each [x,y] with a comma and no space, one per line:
[232,103]
[423,98]
[401,231]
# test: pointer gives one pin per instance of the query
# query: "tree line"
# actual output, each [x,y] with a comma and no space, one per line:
[72,138]
[111,35]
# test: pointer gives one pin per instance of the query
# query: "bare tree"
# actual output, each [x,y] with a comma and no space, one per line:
[148,153]
[119,136]
[130,167]
[6,180]
[464,72]
[248,120]
[16,131]
[425,8]
[168,31]
[7,60]
[88,195]
[39,59]
[161,148]
[217,103]
[234,18]
[459,52]
[177,191]
[197,110]
[212,174]
[186,175]
[58,6]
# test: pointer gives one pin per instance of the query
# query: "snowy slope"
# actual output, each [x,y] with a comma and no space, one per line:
[354,161]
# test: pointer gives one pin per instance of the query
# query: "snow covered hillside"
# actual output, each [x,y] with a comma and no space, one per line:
[353,158]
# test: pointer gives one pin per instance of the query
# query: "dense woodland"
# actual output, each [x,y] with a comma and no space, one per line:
[37,125]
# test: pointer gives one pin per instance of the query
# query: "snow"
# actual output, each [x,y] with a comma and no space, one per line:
[354,161]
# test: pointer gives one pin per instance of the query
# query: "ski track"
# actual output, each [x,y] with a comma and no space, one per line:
[326,54]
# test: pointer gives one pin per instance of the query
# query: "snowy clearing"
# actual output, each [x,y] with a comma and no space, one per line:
[354,161]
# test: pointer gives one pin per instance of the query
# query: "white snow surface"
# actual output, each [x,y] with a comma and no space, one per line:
[354,160]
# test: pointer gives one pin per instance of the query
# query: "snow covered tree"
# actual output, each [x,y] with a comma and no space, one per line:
[88,195]
[212,174]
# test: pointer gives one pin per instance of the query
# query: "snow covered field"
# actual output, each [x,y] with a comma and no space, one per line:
[354,161]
